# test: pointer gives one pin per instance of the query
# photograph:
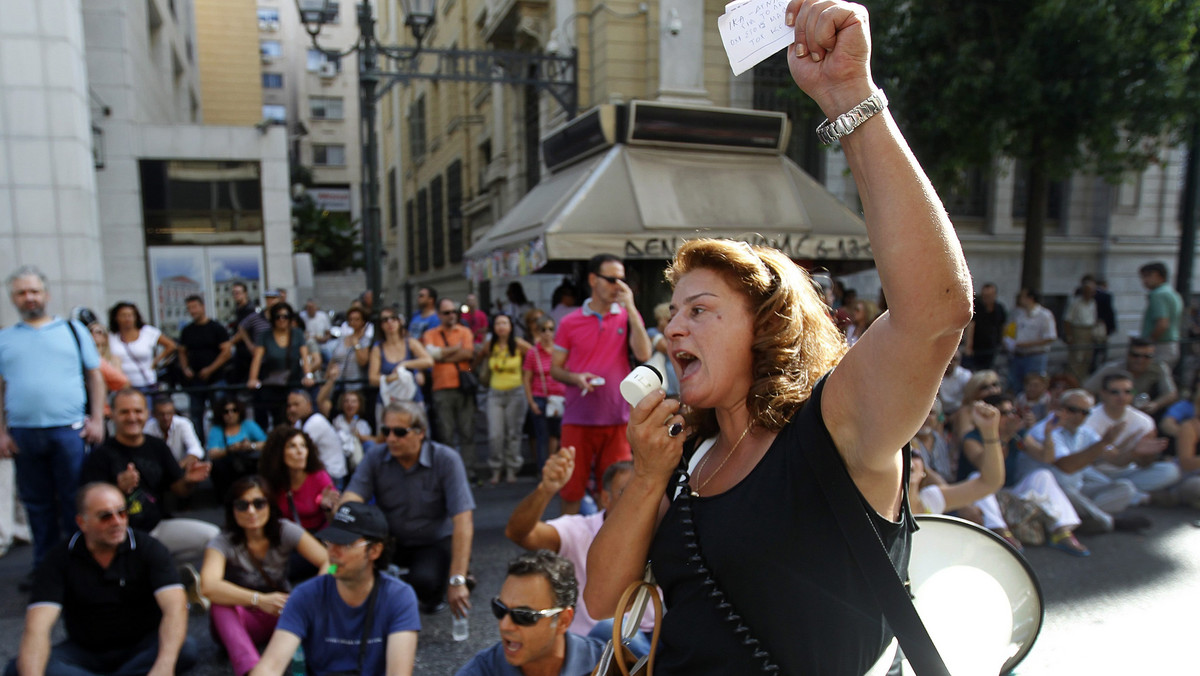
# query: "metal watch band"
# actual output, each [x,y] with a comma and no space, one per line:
[457,580]
[828,132]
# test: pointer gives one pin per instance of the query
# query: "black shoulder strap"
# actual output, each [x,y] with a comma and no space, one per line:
[87,394]
[367,622]
[875,564]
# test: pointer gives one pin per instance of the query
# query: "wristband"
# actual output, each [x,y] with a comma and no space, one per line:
[254,600]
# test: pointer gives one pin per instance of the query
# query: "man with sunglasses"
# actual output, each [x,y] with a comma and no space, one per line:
[1137,448]
[353,620]
[453,349]
[535,606]
[118,593]
[592,352]
[1070,449]
[1151,377]
[422,488]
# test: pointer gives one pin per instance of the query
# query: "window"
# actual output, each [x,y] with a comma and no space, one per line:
[436,223]
[201,202]
[416,128]
[317,58]
[272,80]
[454,198]
[275,112]
[268,19]
[393,216]
[326,107]
[410,227]
[969,197]
[330,155]
[423,230]
[773,90]
[270,49]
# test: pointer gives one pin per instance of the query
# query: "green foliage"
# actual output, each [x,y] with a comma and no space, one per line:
[1061,85]
[1068,85]
[330,237]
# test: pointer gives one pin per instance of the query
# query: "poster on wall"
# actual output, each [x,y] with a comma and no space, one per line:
[176,272]
[230,265]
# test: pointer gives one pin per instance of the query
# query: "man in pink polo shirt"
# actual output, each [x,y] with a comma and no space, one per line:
[591,357]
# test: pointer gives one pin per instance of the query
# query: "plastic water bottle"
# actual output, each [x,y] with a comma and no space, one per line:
[460,627]
[299,668]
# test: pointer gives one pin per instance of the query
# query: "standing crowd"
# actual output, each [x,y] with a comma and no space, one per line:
[348,483]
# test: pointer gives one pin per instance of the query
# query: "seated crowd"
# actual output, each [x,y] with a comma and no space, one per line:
[338,535]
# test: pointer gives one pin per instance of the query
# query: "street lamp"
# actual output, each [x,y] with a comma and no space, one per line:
[391,64]
[419,16]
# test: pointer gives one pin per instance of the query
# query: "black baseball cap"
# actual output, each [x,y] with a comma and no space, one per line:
[352,521]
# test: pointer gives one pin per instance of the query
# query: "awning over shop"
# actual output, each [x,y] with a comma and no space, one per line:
[643,202]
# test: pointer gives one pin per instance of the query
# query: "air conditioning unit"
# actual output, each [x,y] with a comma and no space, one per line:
[328,70]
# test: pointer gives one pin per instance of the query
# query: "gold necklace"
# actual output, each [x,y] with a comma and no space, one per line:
[704,461]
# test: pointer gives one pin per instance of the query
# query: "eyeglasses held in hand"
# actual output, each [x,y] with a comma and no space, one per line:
[259,504]
[522,617]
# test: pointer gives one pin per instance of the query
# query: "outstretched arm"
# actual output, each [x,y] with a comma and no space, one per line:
[928,305]
[525,526]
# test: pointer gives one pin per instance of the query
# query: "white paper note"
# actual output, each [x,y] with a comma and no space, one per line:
[753,30]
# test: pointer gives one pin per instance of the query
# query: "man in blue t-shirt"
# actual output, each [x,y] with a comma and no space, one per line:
[331,615]
[49,368]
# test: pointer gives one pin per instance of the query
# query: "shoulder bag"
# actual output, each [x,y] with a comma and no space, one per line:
[468,382]
[617,658]
[555,403]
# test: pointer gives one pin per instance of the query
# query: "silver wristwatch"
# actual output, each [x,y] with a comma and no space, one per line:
[457,580]
[828,132]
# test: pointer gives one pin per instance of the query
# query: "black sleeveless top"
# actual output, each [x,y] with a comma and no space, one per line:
[775,548]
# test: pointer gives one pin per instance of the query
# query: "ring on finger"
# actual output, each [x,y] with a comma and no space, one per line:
[674,430]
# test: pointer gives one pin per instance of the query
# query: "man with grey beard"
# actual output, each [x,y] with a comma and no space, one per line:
[49,379]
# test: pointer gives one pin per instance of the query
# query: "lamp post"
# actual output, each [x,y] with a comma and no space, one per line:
[380,67]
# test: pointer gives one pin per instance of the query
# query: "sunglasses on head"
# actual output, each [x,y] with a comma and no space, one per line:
[259,504]
[522,617]
[400,432]
[109,517]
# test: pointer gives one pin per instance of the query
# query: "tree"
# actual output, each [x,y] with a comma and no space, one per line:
[331,237]
[1059,85]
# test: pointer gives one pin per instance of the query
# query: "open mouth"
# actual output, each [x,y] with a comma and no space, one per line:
[688,363]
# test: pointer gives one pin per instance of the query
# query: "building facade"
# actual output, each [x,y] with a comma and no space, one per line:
[109,181]
[227,58]
[315,97]
[456,157]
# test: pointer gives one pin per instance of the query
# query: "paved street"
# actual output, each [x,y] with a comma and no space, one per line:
[1129,608]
